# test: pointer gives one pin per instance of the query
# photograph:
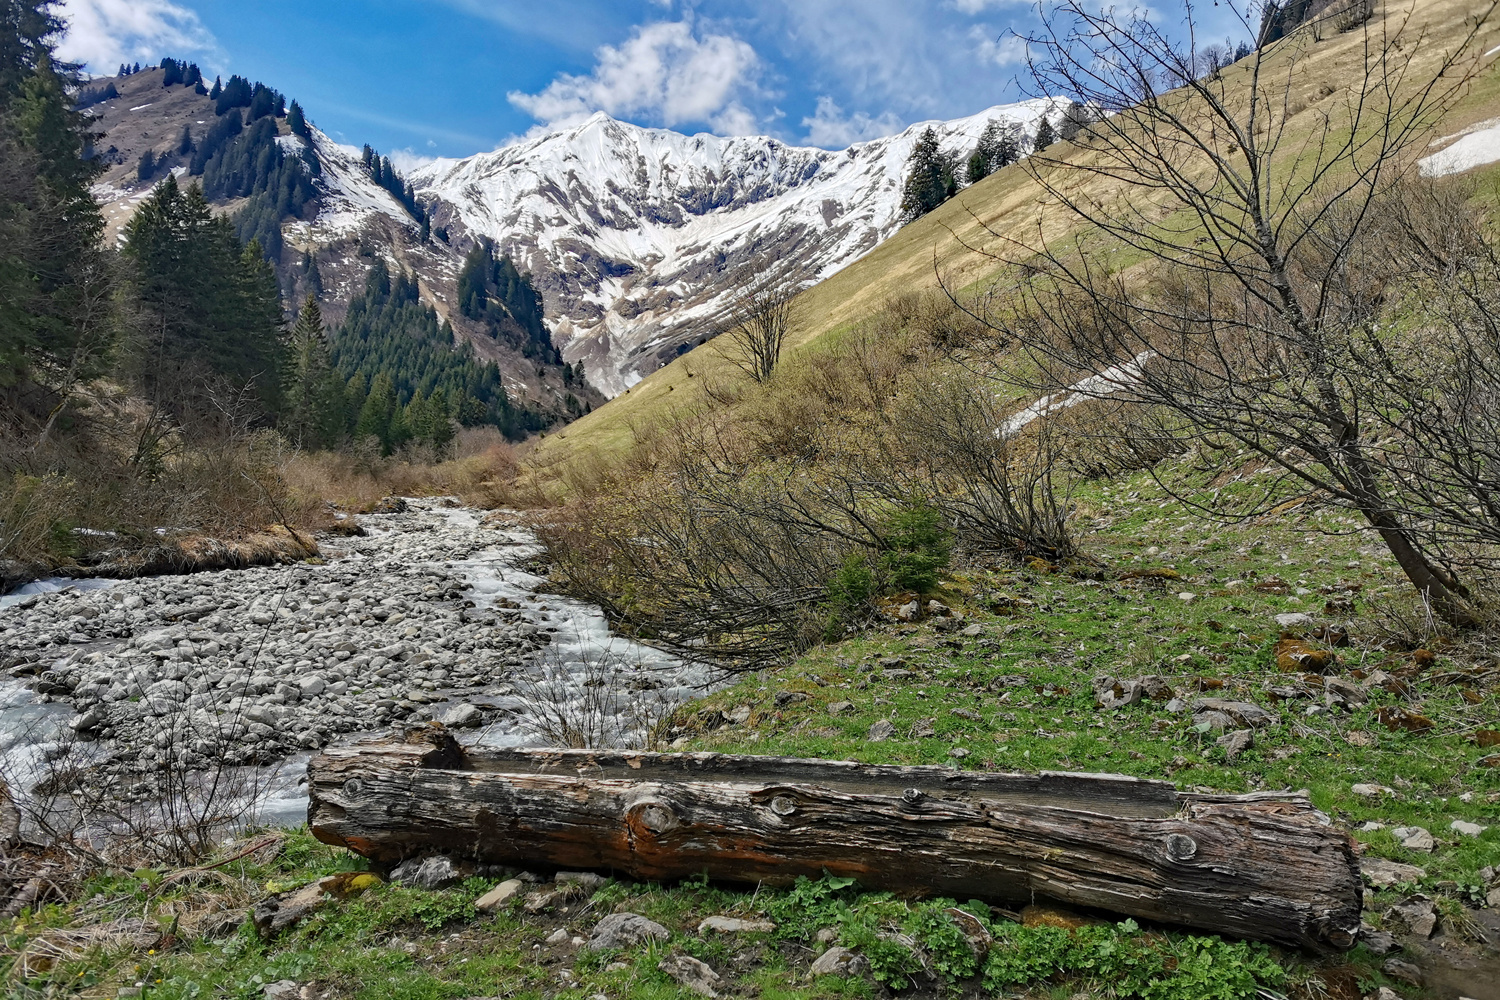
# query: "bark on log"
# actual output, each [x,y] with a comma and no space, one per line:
[1265,866]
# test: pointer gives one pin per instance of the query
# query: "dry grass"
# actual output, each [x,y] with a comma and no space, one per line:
[934,250]
[482,473]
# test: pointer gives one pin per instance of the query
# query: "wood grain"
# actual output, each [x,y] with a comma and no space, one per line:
[1261,866]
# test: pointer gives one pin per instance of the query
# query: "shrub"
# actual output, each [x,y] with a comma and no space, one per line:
[919,546]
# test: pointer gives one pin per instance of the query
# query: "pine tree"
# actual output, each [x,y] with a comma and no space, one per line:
[218,89]
[212,304]
[376,413]
[55,324]
[185,142]
[931,178]
[1044,136]
[146,168]
[296,122]
[312,412]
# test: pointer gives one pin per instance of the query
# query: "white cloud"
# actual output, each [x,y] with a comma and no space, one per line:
[1003,51]
[831,128]
[975,6]
[105,33]
[666,72]
[406,160]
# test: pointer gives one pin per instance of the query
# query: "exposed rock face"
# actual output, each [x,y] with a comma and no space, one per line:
[638,238]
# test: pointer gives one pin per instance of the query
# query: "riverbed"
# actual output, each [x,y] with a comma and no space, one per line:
[436,613]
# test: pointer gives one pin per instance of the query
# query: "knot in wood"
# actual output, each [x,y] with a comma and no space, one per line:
[783,805]
[353,787]
[1181,847]
[912,796]
[656,817]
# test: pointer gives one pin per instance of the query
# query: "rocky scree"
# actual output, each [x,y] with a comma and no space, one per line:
[249,666]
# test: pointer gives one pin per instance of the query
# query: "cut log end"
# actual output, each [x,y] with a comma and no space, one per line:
[1262,866]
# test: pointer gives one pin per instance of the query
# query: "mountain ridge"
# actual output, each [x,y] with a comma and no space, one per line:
[637,235]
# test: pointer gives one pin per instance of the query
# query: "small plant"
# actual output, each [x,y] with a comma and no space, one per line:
[919,546]
[849,594]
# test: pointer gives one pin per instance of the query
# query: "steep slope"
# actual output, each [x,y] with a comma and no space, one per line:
[352,221]
[640,237]
[1011,205]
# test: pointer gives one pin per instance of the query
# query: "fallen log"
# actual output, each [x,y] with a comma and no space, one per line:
[1265,866]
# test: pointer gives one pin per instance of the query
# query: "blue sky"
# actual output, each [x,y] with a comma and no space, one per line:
[452,77]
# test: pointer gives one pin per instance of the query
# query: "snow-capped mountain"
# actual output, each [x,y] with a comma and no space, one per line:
[639,238]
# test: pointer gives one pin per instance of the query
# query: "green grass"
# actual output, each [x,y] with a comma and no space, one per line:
[1054,627]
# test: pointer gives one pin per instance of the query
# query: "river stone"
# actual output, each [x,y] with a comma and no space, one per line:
[432,873]
[625,930]
[691,974]
[463,716]
[734,925]
[838,961]
[498,896]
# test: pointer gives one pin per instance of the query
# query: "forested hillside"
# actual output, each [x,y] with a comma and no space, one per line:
[154,378]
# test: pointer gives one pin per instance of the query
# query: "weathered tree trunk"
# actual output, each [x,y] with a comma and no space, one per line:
[1263,866]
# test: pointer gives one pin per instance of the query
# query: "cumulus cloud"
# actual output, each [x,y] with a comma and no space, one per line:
[829,127]
[406,160]
[105,33]
[972,7]
[1003,51]
[666,72]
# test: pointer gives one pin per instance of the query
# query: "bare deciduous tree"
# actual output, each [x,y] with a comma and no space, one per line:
[1258,315]
[761,318]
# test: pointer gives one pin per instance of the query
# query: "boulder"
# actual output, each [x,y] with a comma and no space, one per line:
[881,731]
[838,961]
[498,896]
[1383,874]
[1417,914]
[437,872]
[1241,712]
[1236,743]
[275,914]
[625,930]
[1111,693]
[1414,838]
[584,883]
[691,974]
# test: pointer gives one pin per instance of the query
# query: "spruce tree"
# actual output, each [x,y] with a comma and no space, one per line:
[218,89]
[54,279]
[312,393]
[146,168]
[296,122]
[1045,136]
[931,178]
[376,413]
[212,305]
[185,142]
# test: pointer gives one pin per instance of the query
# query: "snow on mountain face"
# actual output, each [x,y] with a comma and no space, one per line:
[638,238]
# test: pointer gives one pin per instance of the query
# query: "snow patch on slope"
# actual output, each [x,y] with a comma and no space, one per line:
[634,235]
[1475,147]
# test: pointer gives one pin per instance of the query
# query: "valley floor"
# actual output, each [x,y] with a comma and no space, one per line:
[1394,733]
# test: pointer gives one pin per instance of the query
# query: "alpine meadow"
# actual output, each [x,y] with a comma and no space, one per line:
[1032,534]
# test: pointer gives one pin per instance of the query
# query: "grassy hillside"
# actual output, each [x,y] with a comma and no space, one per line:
[1013,206]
